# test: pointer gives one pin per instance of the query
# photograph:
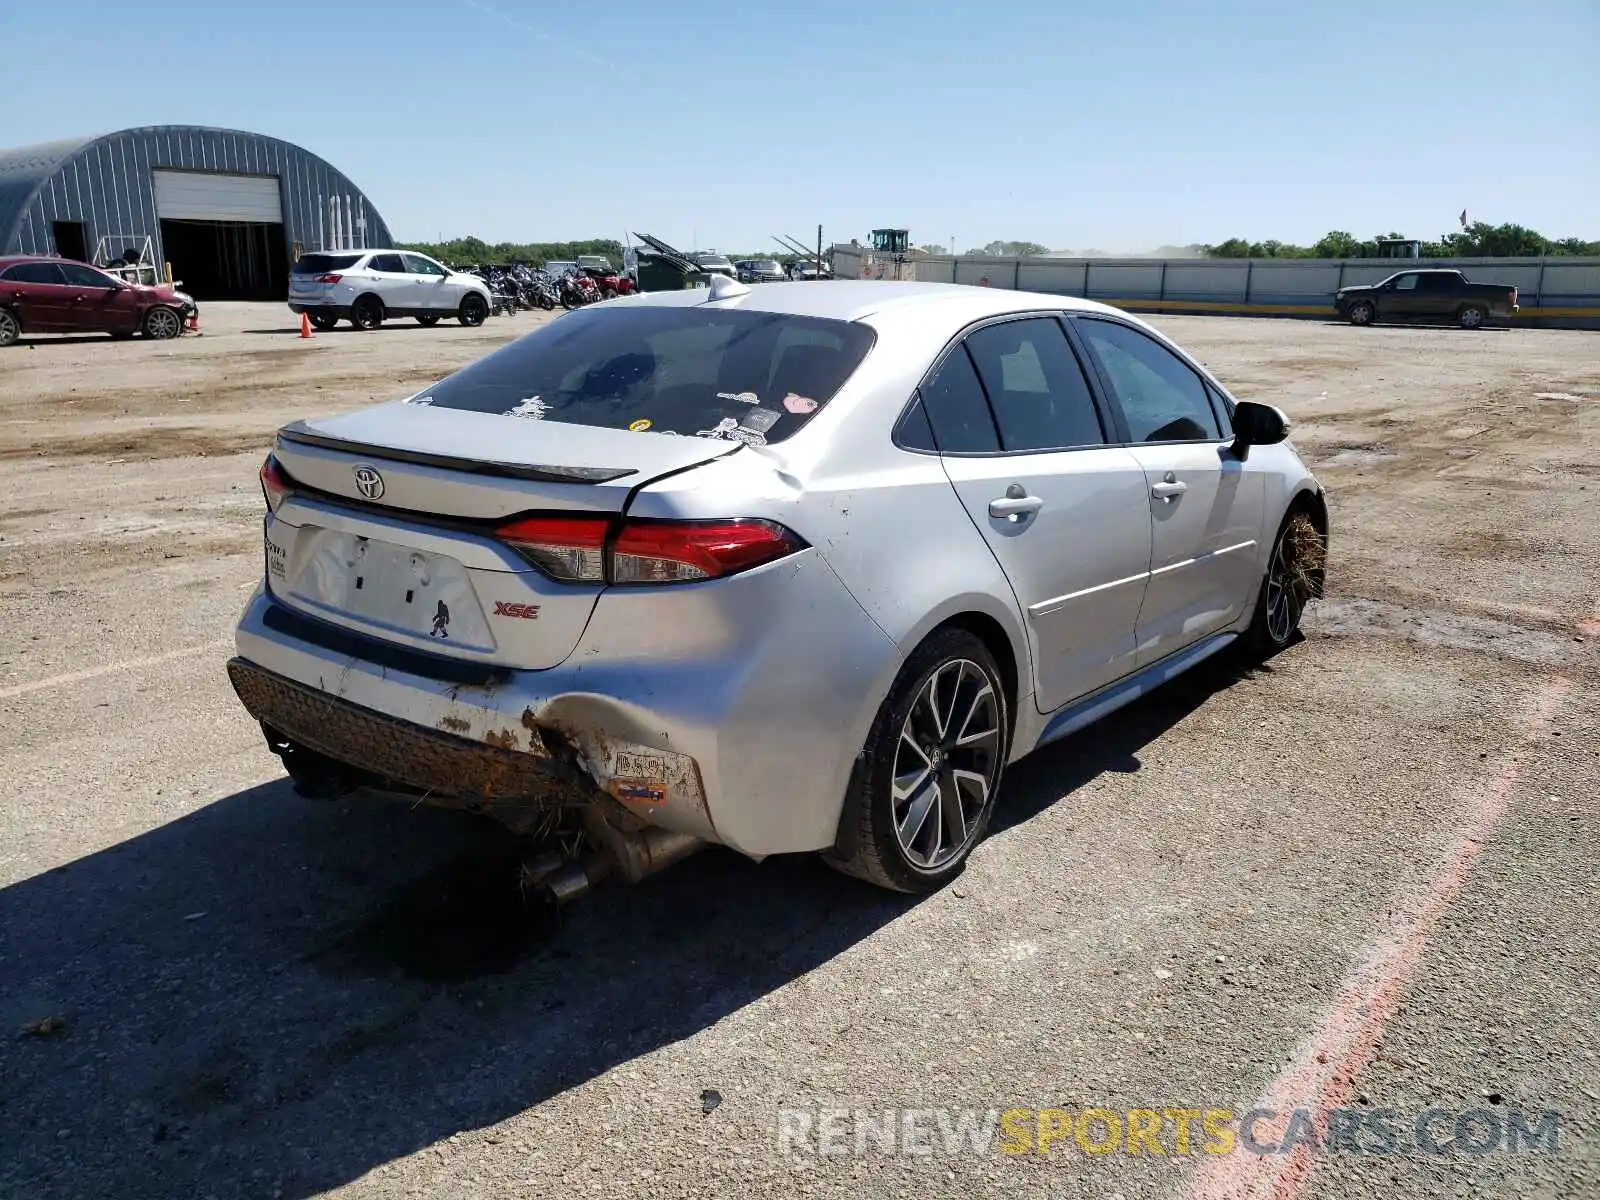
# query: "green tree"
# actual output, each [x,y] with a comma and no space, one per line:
[1336,244]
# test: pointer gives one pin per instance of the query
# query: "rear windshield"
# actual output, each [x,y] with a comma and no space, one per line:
[316,264]
[750,377]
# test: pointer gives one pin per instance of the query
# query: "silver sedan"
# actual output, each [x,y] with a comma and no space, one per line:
[785,569]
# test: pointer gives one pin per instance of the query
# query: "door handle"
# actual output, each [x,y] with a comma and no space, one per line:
[1169,489]
[1015,504]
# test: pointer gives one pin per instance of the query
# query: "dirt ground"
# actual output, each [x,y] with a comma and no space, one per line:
[1362,877]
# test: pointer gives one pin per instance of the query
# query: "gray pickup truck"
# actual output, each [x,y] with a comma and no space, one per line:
[1432,295]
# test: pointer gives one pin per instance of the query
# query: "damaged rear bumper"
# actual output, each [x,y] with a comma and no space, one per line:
[515,786]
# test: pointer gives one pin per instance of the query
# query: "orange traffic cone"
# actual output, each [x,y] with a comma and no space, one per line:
[305,325]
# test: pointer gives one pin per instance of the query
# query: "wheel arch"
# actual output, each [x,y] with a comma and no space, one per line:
[1313,502]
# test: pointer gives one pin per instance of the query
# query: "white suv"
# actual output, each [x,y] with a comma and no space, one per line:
[369,286]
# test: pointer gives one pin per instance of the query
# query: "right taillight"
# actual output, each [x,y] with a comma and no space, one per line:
[275,485]
[331,278]
[586,550]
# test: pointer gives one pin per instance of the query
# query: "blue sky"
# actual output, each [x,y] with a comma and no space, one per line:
[1117,126]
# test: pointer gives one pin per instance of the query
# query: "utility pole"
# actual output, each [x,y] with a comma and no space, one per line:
[819,251]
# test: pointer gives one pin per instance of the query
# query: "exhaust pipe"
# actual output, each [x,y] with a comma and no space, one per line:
[630,854]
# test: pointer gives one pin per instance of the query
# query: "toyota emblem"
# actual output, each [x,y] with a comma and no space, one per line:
[368,482]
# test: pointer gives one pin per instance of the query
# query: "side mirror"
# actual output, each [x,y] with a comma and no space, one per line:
[1257,425]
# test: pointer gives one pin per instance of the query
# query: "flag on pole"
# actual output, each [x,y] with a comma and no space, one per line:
[1463,218]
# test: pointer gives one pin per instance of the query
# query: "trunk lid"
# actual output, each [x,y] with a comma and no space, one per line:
[388,524]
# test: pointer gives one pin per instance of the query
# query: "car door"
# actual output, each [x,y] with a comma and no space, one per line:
[1437,294]
[392,282]
[37,291]
[1401,296]
[98,303]
[431,286]
[1065,514]
[1206,508]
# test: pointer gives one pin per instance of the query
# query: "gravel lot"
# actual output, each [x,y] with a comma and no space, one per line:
[1364,875]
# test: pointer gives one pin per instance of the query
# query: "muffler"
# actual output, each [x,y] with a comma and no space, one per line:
[623,846]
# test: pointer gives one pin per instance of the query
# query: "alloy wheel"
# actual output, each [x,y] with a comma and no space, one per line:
[947,762]
[10,331]
[1281,598]
[162,323]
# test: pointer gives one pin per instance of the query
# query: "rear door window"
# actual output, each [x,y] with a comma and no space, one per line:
[745,376]
[40,272]
[1036,387]
[956,408]
[390,263]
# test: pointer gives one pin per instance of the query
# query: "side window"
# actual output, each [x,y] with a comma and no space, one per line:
[956,408]
[1437,281]
[1406,283]
[914,432]
[1161,398]
[39,272]
[1036,387]
[81,276]
[388,262]
[1223,410]
[422,266]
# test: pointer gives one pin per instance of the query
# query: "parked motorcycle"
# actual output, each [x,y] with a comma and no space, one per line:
[578,290]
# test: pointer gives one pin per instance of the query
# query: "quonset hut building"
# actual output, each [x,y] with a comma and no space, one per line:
[229,211]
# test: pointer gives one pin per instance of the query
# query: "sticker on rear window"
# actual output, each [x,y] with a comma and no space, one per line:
[424,400]
[742,397]
[640,425]
[729,430]
[799,405]
[759,419]
[533,408]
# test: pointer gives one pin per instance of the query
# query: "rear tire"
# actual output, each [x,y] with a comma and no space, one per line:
[924,789]
[1362,312]
[10,327]
[1472,316]
[367,313]
[162,323]
[474,309]
[1292,580]
[428,321]
[323,321]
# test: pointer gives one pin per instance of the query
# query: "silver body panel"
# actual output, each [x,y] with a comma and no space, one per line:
[753,694]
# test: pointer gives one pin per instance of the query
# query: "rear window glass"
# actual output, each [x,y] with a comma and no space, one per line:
[742,376]
[316,264]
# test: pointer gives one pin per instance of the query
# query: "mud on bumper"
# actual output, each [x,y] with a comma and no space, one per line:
[517,787]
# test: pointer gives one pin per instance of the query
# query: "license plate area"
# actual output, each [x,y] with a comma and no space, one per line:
[391,589]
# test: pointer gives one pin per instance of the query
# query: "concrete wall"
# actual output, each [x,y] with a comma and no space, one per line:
[1553,290]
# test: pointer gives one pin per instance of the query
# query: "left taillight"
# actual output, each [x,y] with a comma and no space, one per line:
[685,551]
[329,278]
[597,550]
[275,486]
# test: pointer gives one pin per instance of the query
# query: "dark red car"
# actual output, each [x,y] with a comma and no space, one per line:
[57,295]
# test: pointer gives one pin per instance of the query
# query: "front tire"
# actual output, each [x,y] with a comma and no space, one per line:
[1362,312]
[473,311]
[925,789]
[367,313]
[1293,579]
[161,323]
[1473,316]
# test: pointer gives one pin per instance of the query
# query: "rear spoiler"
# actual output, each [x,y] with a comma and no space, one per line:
[302,434]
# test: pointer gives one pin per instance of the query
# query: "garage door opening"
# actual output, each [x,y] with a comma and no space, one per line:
[228,260]
[223,234]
